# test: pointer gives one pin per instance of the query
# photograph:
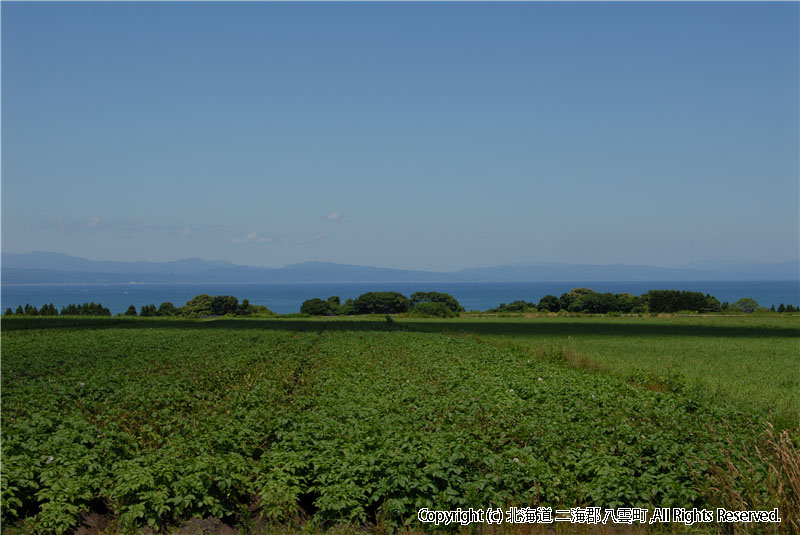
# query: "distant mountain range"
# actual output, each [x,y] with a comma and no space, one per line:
[43,267]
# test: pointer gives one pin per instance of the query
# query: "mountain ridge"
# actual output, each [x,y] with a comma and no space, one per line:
[44,267]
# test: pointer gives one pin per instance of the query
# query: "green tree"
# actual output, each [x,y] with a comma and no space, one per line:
[224,304]
[436,297]
[335,305]
[348,308]
[245,308]
[316,307]
[148,311]
[381,303]
[747,304]
[573,300]
[712,304]
[19,310]
[549,303]
[86,309]
[166,309]
[9,312]
[596,303]
[781,308]
[627,303]
[131,311]
[669,301]
[198,306]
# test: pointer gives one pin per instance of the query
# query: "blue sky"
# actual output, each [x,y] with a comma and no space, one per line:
[410,135]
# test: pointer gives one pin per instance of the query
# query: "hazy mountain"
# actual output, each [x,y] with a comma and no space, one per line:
[64,262]
[41,267]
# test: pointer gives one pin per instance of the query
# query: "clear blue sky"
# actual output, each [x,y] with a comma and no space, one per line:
[409,135]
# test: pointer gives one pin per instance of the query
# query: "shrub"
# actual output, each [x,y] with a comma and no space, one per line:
[515,306]
[259,311]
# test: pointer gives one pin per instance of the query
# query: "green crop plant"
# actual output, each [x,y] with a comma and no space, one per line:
[337,422]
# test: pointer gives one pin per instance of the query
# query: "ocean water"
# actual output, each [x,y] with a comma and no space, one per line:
[286,298]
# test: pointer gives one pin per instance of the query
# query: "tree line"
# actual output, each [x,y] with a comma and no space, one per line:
[654,301]
[423,304]
[86,309]
[427,304]
[202,305]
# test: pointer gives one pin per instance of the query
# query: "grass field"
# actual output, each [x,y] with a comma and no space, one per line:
[753,361]
[358,422]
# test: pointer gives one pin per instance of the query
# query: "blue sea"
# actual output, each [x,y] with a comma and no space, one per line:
[286,298]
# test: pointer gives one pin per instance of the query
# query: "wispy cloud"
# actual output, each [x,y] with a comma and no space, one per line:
[313,239]
[123,227]
[333,216]
[138,228]
[251,237]
[73,225]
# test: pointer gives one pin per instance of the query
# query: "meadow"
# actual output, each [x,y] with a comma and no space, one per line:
[359,422]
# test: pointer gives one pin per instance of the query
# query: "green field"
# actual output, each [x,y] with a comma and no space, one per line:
[359,422]
[751,360]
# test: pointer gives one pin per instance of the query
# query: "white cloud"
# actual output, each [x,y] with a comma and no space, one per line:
[333,216]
